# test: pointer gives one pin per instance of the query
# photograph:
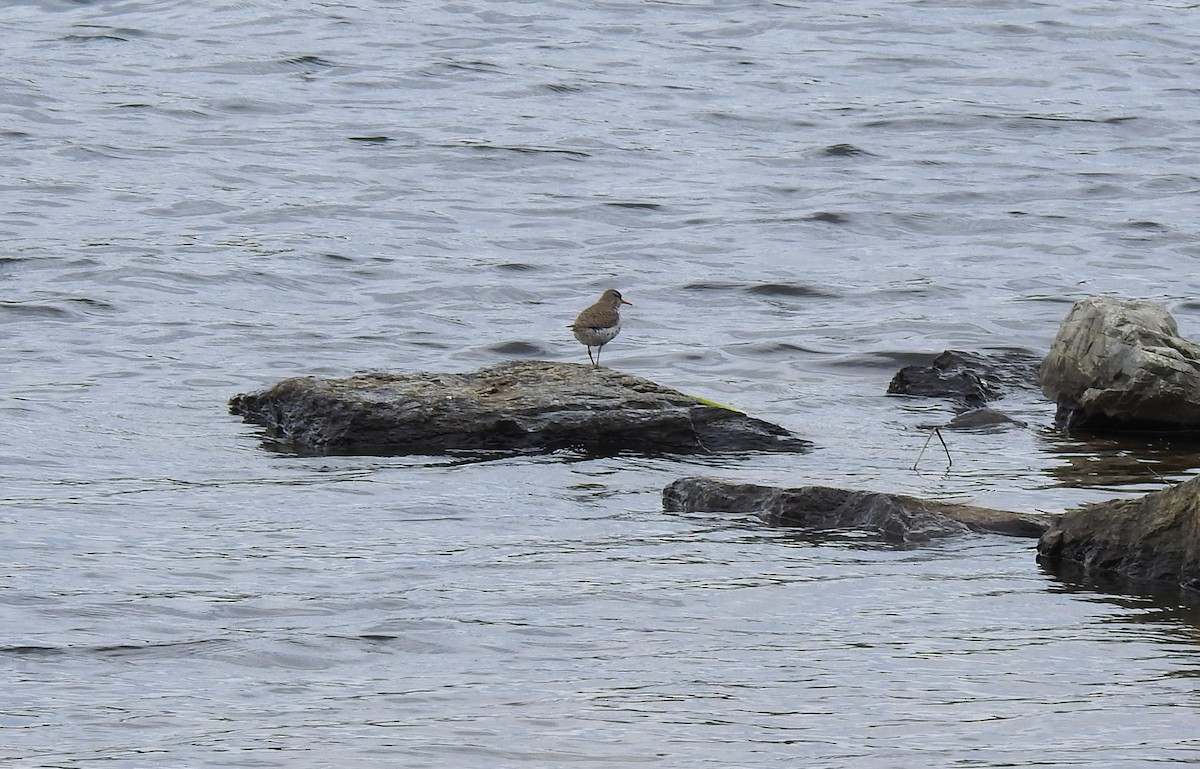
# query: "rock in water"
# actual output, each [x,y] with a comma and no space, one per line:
[1155,537]
[896,518]
[1121,365]
[971,379]
[519,406]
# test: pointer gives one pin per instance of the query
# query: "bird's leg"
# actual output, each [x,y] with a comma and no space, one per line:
[593,360]
[598,349]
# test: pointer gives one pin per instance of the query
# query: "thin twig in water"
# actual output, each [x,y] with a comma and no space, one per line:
[1157,475]
[938,433]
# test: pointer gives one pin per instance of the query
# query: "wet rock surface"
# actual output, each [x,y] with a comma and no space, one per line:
[1154,538]
[526,406]
[895,518]
[1119,365]
[968,378]
[983,419]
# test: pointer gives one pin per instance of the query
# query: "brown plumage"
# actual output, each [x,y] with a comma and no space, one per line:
[599,324]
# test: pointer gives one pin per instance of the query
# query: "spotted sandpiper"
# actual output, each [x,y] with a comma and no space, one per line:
[599,324]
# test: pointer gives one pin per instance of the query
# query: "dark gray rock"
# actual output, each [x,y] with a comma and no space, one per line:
[522,406]
[895,518]
[1155,537]
[983,420]
[968,378]
[1121,365]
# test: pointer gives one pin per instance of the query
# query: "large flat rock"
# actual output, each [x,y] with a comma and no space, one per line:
[895,518]
[1155,537]
[527,406]
[1121,365]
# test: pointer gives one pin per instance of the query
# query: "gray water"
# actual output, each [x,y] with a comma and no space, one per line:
[798,199]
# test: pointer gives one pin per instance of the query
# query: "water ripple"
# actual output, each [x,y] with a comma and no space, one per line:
[798,200]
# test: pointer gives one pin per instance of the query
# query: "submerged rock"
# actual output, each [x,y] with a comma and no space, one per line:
[1155,537]
[983,419]
[1121,365]
[969,378]
[519,406]
[895,518]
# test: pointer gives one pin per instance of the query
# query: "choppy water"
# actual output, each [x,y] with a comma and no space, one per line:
[799,199]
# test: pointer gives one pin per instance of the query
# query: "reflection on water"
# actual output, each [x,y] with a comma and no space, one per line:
[1138,601]
[1125,463]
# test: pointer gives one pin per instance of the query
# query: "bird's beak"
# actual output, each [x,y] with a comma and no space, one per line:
[628,303]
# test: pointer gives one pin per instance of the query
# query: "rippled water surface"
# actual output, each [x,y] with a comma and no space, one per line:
[798,198]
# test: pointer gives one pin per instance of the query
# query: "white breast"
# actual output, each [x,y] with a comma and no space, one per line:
[595,337]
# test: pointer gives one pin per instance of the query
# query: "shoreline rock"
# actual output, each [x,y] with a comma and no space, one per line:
[895,518]
[524,406]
